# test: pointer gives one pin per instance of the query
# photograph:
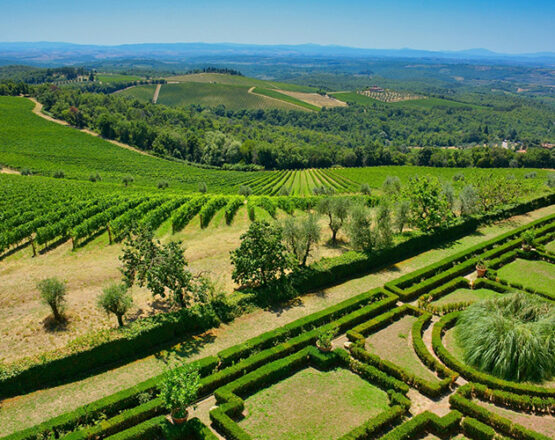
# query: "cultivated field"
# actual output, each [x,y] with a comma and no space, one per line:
[366,341]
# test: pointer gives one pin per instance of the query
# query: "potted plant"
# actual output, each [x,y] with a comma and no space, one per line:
[528,238]
[481,268]
[324,340]
[178,390]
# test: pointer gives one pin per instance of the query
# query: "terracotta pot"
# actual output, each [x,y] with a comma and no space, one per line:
[481,272]
[178,420]
[323,349]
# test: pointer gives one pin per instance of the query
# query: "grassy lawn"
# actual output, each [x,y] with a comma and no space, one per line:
[394,344]
[312,405]
[461,295]
[539,275]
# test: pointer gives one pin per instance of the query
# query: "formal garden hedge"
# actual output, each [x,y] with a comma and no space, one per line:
[243,369]
[359,334]
[463,401]
[216,371]
[150,334]
[230,397]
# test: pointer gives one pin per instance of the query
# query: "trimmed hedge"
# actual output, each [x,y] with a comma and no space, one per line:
[376,296]
[420,281]
[160,427]
[472,374]
[137,343]
[426,422]
[109,406]
[499,423]
[477,430]
[343,315]
[358,337]
[230,397]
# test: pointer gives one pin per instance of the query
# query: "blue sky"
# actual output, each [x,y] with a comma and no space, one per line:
[503,26]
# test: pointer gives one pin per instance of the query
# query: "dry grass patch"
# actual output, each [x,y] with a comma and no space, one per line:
[394,343]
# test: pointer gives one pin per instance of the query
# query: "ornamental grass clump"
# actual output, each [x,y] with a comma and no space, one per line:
[511,337]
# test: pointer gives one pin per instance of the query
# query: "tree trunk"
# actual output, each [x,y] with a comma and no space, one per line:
[120,320]
[109,233]
[33,244]
[334,236]
[57,316]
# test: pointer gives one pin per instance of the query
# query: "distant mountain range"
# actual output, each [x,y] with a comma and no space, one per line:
[58,53]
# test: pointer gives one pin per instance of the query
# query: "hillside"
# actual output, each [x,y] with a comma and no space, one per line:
[235,92]
[48,147]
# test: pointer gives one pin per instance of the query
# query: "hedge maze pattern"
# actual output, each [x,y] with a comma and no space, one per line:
[459,401]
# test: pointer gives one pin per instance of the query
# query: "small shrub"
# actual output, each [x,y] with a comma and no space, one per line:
[179,389]
[59,174]
[95,178]
[163,184]
[365,189]
[245,190]
[116,300]
[284,191]
[127,180]
[53,294]
[26,172]
[202,187]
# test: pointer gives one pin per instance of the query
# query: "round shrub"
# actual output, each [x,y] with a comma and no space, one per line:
[510,337]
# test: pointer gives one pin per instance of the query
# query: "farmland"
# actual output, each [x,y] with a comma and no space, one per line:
[234,97]
[358,335]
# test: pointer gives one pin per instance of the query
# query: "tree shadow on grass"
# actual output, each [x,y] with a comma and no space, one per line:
[52,326]
[185,349]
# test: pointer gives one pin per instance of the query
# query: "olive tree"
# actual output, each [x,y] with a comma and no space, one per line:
[383,230]
[301,235]
[402,211]
[359,228]
[469,200]
[391,185]
[116,299]
[336,209]
[53,294]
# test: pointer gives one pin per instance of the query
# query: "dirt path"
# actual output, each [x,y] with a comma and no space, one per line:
[156,93]
[38,111]
[5,170]
[27,410]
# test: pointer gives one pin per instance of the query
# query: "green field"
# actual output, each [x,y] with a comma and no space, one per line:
[231,91]
[286,98]
[143,93]
[237,80]
[47,147]
[116,77]
[375,176]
